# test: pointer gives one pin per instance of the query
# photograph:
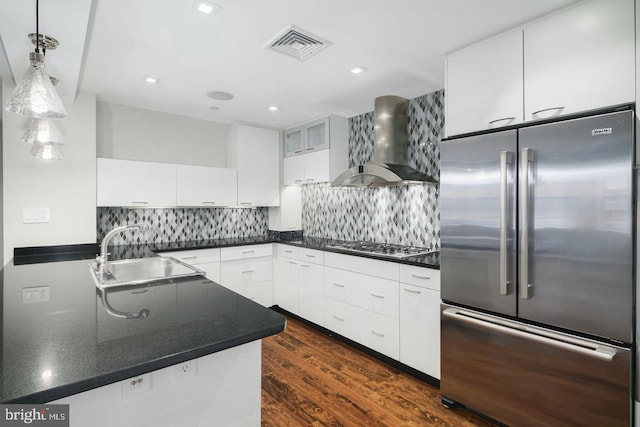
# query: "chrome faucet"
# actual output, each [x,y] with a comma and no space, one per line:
[102,259]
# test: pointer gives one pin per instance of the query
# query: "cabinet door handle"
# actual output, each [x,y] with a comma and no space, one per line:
[245,203]
[141,291]
[374,332]
[338,285]
[298,181]
[310,148]
[297,152]
[377,295]
[140,203]
[338,318]
[413,291]
[247,271]
[502,120]
[305,265]
[294,263]
[309,180]
[289,252]
[208,203]
[417,276]
[535,113]
[189,257]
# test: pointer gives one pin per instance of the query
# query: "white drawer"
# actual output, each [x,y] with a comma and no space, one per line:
[368,292]
[373,267]
[243,272]
[249,251]
[420,276]
[375,331]
[211,270]
[288,251]
[311,255]
[261,292]
[195,256]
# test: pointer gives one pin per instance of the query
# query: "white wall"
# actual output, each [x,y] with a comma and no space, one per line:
[135,134]
[67,187]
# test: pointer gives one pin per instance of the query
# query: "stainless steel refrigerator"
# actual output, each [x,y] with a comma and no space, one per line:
[537,250]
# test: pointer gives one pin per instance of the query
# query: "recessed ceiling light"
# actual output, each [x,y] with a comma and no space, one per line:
[273,108]
[151,80]
[207,7]
[357,70]
[220,96]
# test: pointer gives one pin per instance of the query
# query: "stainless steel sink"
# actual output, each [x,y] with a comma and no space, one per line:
[140,270]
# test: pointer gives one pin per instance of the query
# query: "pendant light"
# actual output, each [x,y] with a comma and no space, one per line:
[42,131]
[35,95]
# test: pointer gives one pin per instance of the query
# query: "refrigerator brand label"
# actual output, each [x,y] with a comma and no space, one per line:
[602,131]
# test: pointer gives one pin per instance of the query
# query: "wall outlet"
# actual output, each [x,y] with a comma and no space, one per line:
[35,294]
[185,370]
[35,215]
[136,386]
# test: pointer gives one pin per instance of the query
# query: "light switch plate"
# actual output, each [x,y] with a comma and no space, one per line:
[35,215]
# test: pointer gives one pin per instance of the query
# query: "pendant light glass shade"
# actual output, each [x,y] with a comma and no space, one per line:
[35,95]
[46,151]
[42,131]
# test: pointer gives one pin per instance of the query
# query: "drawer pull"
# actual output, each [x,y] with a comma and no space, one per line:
[294,263]
[289,252]
[141,291]
[338,285]
[412,291]
[377,295]
[309,180]
[209,203]
[311,256]
[140,203]
[305,265]
[245,203]
[248,252]
[298,181]
[247,271]
[374,332]
[189,257]
[417,276]
[338,318]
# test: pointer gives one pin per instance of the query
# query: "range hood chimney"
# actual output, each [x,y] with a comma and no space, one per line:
[390,164]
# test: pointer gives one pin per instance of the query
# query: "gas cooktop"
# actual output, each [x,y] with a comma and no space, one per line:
[382,249]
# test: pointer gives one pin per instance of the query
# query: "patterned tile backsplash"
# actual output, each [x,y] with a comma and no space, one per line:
[405,215]
[183,224]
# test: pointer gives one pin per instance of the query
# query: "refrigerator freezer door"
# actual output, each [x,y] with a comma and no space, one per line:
[477,211]
[523,375]
[576,222]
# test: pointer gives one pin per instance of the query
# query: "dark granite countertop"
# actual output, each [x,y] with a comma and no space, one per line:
[70,343]
[431,260]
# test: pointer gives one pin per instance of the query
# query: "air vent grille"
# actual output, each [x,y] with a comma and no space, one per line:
[298,43]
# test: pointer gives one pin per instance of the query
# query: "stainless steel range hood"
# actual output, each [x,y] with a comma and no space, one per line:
[390,165]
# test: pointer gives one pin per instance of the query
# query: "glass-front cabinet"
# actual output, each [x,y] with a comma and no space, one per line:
[306,138]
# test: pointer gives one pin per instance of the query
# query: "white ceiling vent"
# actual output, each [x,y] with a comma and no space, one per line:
[296,42]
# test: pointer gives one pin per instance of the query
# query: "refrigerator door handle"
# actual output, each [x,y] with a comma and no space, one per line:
[526,158]
[505,162]
[546,337]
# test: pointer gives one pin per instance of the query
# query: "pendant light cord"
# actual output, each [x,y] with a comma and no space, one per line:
[37,26]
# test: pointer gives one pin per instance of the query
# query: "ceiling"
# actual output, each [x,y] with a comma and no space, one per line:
[108,47]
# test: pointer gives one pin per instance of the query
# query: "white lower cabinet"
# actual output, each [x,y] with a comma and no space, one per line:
[287,290]
[420,319]
[248,270]
[311,276]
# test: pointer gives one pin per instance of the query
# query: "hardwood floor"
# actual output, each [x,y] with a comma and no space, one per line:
[310,379]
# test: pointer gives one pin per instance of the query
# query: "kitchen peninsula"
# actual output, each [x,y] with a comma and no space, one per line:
[193,356]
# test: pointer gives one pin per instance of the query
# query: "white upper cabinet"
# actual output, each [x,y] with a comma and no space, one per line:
[254,152]
[580,59]
[484,85]
[324,154]
[131,183]
[206,186]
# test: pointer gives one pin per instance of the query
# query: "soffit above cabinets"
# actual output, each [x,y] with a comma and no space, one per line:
[108,47]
